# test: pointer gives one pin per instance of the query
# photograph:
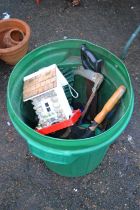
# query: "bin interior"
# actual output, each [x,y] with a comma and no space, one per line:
[111,82]
[68,61]
[105,91]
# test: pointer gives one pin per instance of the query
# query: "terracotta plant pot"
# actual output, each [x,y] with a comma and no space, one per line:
[14,40]
[13,37]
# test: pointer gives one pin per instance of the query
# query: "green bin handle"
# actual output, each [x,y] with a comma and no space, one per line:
[63,157]
[51,155]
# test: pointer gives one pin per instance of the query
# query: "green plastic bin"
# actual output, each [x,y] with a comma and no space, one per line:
[70,158]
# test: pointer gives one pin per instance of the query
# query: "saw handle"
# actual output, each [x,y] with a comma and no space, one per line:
[110,104]
[89,61]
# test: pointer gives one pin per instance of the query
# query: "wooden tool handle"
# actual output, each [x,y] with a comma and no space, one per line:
[110,104]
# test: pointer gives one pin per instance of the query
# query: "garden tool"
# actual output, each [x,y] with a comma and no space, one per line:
[78,132]
[96,79]
[89,61]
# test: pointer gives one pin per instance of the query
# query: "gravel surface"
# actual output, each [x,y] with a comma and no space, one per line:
[25,181]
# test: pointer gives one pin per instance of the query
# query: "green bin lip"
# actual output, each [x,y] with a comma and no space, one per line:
[73,141]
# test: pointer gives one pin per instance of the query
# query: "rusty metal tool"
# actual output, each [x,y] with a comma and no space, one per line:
[96,78]
[90,61]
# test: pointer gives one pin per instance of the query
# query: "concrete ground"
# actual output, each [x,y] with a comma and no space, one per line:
[25,181]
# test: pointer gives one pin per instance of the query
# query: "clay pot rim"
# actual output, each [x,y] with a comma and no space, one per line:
[25,39]
[16,29]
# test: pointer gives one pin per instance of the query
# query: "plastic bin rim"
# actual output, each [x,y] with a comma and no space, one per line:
[70,140]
